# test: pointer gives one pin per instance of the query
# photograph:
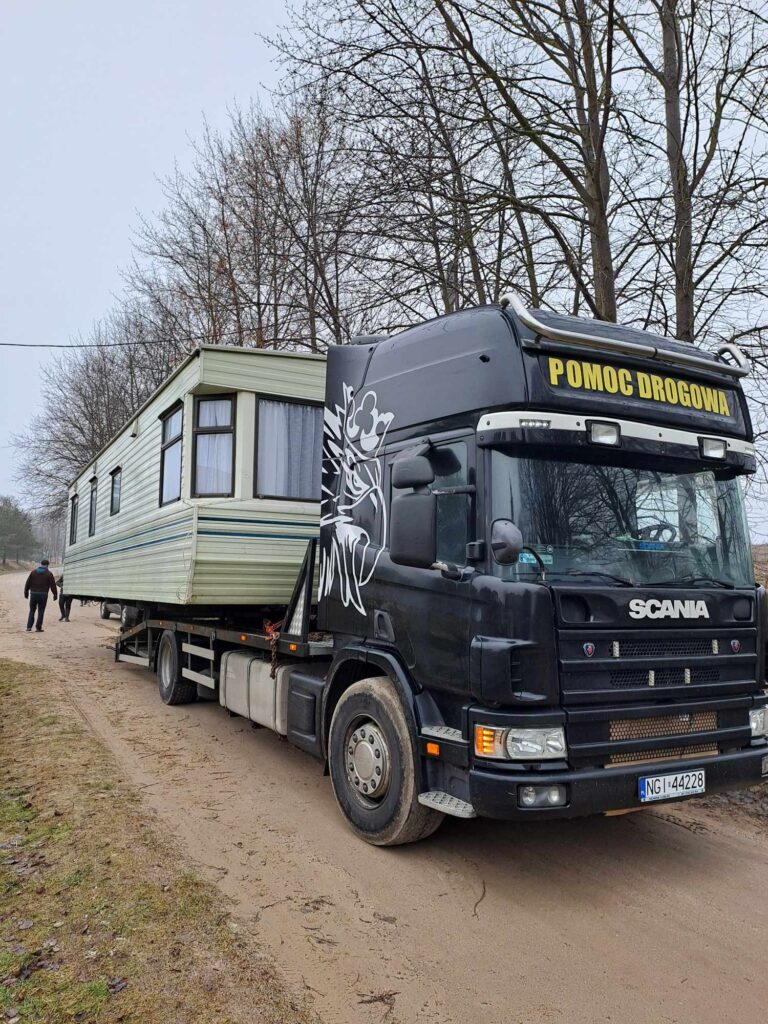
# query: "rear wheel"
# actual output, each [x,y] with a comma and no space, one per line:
[104,611]
[173,688]
[374,766]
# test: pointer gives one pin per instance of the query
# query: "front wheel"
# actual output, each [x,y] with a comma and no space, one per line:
[374,766]
[104,611]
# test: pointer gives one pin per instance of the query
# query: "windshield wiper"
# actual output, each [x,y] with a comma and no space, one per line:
[683,581]
[599,573]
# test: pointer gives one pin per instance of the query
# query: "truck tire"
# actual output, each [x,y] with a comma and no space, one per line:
[104,611]
[173,688]
[129,616]
[374,766]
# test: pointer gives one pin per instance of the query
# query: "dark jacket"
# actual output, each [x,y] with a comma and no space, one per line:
[40,581]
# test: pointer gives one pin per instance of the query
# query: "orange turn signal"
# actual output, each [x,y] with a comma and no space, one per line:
[243,637]
[293,647]
[433,749]
[489,742]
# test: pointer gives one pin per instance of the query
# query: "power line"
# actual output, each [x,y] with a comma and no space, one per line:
[148,344]
[90,344]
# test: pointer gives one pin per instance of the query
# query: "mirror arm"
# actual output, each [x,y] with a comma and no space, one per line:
[539,560]
[465,489]
[448,569]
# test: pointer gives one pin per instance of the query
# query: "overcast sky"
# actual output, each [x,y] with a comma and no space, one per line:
[99,99]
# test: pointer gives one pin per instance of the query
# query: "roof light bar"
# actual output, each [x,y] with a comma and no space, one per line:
[738,368]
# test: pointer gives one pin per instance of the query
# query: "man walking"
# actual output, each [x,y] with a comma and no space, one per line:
[39,582]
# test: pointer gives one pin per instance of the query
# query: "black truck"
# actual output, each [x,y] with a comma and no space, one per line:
[532,595]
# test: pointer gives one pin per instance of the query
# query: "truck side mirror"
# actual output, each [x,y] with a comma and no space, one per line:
[413,471]
[506,541]
[412,529]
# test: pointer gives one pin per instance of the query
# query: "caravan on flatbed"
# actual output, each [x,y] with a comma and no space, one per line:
[208,496]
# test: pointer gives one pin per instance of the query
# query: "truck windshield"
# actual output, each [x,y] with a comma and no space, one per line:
[641,523]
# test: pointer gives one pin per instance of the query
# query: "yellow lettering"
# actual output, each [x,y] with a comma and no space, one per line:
[593,377]
[695,396]
[610,379]
[643,385]
[709,396]
[657,386]
[670,390]
[684,394]
[573,373]
[555,370]
[625,382]
[724,410]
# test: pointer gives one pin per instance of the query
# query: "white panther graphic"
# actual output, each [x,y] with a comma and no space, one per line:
[353,436]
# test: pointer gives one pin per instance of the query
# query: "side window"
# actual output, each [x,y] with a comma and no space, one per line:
[73,504]
[170,455]
[450,463]
[214,447]
[92,508]
[117,487]
[289,450]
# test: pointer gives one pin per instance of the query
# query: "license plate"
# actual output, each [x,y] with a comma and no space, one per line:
[667,787]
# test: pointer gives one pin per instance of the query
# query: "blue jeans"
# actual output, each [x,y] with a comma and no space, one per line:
[37,603]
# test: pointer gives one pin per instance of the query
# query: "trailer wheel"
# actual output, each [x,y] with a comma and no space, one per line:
[104,611]
[374,766]
[173,688]
[129,616]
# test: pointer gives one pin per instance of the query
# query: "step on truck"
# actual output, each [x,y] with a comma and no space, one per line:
[531,593]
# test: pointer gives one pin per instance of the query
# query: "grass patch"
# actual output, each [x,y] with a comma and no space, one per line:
[100,919]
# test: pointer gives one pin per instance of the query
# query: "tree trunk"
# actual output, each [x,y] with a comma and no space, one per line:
[678,171]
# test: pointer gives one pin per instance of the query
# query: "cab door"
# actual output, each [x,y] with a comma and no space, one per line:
[422,613]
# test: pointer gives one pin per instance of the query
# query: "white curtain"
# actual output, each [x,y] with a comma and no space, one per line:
[172,472]
[290,450]
[212,412]
[213,472]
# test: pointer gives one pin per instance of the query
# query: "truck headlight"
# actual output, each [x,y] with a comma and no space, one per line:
[546,744]
[536,744]
[758,721]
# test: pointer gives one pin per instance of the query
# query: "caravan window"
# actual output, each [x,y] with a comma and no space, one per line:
[170,456]
[92,509]
[289,450]
[214,447]
[74,501]
[117,486]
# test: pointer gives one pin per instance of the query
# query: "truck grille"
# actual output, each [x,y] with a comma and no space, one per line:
[624,734]
[601,665]
[662,725]
[670,753]
[629,677]
[687,647]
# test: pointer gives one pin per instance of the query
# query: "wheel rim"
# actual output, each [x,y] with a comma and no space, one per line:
[367,761]
[165,665]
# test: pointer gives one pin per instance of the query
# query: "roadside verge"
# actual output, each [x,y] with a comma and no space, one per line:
[100,917]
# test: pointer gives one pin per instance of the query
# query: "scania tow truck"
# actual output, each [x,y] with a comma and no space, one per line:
[533,595]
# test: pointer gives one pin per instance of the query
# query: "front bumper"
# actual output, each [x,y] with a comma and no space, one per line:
[493,794]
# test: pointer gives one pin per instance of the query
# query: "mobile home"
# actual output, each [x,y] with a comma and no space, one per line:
[209,495]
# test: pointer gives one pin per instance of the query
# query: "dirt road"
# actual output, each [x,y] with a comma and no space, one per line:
[654,917]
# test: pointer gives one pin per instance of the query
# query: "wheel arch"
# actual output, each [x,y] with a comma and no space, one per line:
[350,665]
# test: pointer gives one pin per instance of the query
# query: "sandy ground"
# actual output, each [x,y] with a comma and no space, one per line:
[654,917]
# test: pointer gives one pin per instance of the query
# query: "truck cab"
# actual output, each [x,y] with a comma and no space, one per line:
[533,537]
